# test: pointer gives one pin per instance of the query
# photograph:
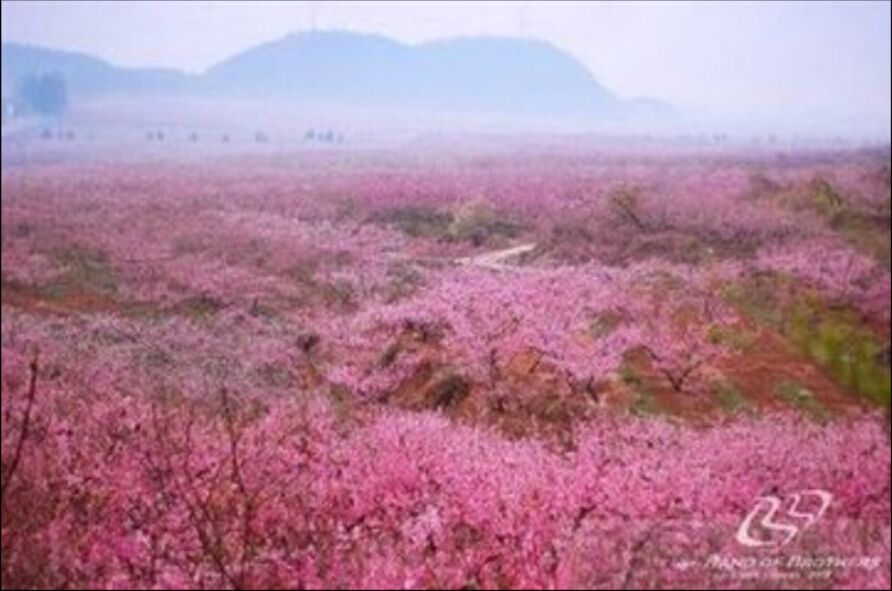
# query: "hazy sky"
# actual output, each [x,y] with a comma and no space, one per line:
[793,63]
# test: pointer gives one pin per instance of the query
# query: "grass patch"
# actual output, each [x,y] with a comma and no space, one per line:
[198,307]
[825,198]
[863,226]
[801,398]
[403,280]
[629,376]
[155,357]
[338,294]
[851,354]
[868,232]
[449,391]
[644,402]
[604,323]
[87,270]
[303,273]
[645,405]
[474,221]
[416,221]
[188,245]
[729,397]
[833,337]
[274,375]
[760,296]
[731,338]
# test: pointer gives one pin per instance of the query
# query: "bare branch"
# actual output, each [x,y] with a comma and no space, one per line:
[26,424]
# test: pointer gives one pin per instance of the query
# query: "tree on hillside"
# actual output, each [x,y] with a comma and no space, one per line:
[46,94]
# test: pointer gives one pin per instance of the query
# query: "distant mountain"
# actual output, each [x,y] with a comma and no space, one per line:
[480,75]
[87,76]
[340,67]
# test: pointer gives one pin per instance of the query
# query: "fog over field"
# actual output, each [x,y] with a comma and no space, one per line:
[446,295]
[787,68]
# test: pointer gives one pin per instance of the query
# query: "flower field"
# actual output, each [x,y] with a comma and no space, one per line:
[306,370]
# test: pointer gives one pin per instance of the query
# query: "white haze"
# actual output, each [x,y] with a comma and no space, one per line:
[814,68]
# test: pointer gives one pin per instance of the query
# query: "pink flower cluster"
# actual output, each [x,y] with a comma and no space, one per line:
[117,492]
[838,273]
[581,320]
[207,337]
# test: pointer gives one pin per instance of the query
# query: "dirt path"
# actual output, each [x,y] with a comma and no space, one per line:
[496,259]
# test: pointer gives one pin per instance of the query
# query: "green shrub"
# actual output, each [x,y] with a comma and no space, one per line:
[729,397]
[802,398]
[848,353]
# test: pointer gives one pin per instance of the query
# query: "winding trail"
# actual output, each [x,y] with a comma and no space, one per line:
[496,259]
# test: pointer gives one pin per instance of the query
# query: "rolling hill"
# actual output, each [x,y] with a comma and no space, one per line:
[479,75]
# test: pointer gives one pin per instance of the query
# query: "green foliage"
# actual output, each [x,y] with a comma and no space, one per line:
[802,398]
[449,391]
[603,324]
[731,338]
[274,374]
[338,294]
[758,297]
[302,273]
[155,357]
[478,222]
[86,270]
[849,353]
[867,231]
[198,307]
[729,397]
[825,199]
[645,405]
[475,221]
[471,221]
[832,337]
[629,375]
[404,279]
[416,221]
[627,206]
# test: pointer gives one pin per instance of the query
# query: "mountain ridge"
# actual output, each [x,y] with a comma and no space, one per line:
[521,77]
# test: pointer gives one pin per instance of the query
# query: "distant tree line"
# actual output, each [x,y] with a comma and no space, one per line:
[46,94]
